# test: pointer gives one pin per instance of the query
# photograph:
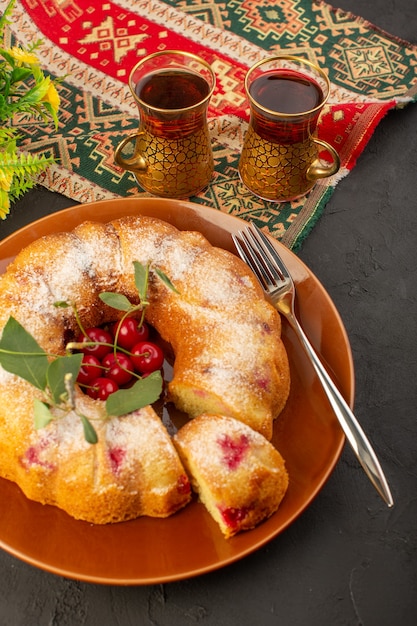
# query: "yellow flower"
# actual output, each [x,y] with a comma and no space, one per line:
[4,204]
[22,56]
[5,180]
[52,97]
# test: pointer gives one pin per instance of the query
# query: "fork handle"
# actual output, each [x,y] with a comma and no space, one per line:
[351,427]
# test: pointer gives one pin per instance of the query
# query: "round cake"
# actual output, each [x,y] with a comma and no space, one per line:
[229,360]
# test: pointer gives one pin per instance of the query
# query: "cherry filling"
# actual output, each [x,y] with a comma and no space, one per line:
[233,449]
[263,383]
[233,516]
[32,457]
[116,457]
[183,484]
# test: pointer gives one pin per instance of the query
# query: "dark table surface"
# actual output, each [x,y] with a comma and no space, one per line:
[348,559]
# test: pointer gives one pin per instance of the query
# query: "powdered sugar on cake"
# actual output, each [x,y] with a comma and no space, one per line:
[228,356]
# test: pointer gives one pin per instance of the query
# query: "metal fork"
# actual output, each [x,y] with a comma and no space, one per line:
[261,256]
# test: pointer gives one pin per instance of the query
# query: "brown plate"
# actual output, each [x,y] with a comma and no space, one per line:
[150,551]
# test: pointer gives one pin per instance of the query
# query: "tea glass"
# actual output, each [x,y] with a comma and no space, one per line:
[170,154]
[280,155]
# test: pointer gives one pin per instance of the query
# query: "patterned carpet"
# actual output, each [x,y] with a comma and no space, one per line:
[95,44]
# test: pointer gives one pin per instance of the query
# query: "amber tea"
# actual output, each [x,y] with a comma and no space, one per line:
[288,92]
[280,159]
[170,154]
[172,89]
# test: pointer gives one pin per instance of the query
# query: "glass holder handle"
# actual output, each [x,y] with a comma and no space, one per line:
[317,169]
[135,163]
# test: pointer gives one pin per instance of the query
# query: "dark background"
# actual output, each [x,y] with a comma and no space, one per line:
[348,560]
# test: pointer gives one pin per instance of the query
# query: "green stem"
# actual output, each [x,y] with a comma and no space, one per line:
[78,319]
[54,356]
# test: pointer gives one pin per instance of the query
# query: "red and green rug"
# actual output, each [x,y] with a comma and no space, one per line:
[95,44]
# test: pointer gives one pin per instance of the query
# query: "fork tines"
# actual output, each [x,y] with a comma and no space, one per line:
[257,251]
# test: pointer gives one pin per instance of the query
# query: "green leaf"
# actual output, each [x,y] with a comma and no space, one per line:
[115,300]
[7,12]
[141,279]
[61,304]
[37,92]
[11,61]
[42,414]
[89,430]
[19,74]
[145,391]
[20,354]
[165,279]
[58,372]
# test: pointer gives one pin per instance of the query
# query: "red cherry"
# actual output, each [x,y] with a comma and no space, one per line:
[89,370]
[147,357]
[129,333]
[108,360]
[98,336]
[101,388]
[116,366]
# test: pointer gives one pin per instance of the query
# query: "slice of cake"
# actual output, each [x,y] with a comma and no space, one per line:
[238,474]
